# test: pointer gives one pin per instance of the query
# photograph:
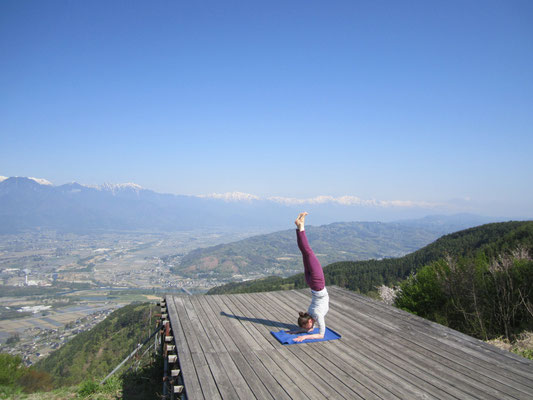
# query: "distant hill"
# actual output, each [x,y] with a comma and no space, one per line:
[29,204]
[365,276]
[94,353]
[277,253]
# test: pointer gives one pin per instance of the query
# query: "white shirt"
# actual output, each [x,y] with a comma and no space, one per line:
[319,308]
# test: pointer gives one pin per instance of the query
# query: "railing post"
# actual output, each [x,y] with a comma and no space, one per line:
[164,333]
[173,387]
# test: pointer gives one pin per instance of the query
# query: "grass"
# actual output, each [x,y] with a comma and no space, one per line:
[139,379]
[521,345]
[142,384]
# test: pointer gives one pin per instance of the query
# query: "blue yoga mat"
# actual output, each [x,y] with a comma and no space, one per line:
[287,338]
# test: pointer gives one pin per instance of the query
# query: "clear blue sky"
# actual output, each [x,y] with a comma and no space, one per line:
[388,100]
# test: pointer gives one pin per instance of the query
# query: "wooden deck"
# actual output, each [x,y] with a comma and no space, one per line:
[225,350]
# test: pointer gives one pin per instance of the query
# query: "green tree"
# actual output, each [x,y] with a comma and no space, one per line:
[422,295]
[11,369]
[14,338]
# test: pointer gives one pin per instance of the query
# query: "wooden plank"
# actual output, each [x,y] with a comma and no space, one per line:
[440,355]
[245,356]
[384,353]
[208,321]
[365,376]
[408,356]
[382,371]
[360,383]
[246,321]
[273,379]
[222,380]
[238,329]
[312,385]
[328,375]
[189,374]
[465,364]
[473,376]
[293,359]
[234,375]
[213,316]
[433,327]
[354,374]
[259,319]
[205,377]
[192,340]
[441,332]
[198,330]
[269,355]
[293,384]
[406,376]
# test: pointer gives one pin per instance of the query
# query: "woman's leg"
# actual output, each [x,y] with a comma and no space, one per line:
[314,275]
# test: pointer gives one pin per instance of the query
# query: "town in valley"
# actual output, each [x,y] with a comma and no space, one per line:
[54,285]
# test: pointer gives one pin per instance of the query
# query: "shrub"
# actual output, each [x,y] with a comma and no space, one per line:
[35,381]
[88,387]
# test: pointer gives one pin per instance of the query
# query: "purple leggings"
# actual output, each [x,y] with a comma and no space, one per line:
[314,276]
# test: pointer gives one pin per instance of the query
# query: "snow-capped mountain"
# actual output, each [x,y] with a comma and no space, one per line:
[29,203]
[230,196]
[41,181]
[32,203]
[116,187]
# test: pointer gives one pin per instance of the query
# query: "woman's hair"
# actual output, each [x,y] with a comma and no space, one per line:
[303,318]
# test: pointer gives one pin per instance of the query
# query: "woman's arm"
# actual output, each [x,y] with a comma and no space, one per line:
[307,337]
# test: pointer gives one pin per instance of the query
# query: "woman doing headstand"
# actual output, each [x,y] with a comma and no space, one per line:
[314,276]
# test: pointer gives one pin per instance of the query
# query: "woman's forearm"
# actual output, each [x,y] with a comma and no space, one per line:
[309,337]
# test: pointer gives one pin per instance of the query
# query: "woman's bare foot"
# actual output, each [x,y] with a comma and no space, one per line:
[300,221]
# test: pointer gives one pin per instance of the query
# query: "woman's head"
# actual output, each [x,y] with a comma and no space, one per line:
[305,321]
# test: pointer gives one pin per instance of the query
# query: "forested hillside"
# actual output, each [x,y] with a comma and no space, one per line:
[94,353]
[277,253]
[485,294]
[489,240]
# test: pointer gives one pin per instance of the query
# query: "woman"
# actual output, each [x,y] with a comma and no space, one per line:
[314,276]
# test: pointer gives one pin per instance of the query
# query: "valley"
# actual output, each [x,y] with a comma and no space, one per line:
[53,285]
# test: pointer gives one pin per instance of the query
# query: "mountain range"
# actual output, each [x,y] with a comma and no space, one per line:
[277,254]
[32,203]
